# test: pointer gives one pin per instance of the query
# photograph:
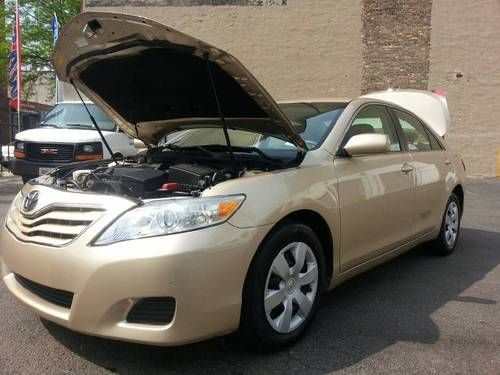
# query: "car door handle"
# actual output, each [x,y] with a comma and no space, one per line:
[406,168]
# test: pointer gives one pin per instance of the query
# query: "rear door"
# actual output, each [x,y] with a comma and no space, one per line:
[375,191]
[431,167]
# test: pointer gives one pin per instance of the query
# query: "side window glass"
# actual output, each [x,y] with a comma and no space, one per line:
[434,142]
[375,119]
[416,135]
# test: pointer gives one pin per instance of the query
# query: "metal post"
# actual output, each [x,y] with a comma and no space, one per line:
[18,47]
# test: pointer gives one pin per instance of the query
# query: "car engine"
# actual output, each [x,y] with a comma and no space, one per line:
[163,172]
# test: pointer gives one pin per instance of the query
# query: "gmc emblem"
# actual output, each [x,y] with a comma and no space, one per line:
[48,151]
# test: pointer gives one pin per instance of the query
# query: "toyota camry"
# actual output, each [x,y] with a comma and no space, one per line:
[242,212]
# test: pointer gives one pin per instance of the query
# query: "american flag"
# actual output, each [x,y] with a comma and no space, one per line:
[15,73]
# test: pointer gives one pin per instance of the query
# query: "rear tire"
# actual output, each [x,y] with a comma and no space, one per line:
[283,287]
[447,240]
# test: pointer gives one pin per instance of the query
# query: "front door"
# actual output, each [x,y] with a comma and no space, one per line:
[375,192]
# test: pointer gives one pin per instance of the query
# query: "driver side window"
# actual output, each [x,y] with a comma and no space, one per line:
[374,119]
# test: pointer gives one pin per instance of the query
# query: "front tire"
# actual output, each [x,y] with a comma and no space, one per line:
[283,287]
[446,242]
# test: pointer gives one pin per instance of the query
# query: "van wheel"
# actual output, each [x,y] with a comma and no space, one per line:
[447,240]
[283,287]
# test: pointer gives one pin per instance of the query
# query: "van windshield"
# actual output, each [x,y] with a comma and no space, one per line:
[74,116]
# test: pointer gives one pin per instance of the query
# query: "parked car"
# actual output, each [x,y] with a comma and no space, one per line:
[245,212]
[65,135]
[7,154]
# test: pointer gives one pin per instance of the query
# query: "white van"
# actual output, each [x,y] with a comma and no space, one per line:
[66,135]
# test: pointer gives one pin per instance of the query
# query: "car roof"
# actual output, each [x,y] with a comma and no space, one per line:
[315,100]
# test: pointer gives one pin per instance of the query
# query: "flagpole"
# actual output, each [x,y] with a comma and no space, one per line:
[55,34]
[18,51]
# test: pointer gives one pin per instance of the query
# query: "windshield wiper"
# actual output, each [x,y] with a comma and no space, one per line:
[79,126]
[213,150]
[48,125]
[174,147]
[262,155]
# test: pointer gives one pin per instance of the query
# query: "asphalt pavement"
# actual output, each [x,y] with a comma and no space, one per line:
[417,314]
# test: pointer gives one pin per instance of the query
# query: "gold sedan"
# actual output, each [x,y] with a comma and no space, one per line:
[241,213]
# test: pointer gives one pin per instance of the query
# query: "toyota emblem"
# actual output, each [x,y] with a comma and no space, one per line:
[30,201]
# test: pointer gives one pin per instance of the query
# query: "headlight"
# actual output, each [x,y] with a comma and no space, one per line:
[168,216]
[19,150]
[88,151]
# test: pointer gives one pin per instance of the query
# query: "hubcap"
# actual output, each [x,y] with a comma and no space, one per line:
[451,224]
[291,287]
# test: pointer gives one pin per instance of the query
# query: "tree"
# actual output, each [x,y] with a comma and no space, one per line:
[37,39]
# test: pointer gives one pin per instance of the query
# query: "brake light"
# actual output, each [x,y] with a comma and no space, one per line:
[440,92]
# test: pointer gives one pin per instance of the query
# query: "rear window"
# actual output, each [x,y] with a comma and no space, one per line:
[416,135]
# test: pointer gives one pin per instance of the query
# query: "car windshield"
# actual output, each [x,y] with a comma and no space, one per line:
[74,116]
[313,121]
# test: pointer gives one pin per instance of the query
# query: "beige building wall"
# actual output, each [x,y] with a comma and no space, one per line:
[465,62]
[306,48]
[341,48]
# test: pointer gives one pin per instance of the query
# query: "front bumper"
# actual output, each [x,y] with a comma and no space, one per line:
[23,167]
[203,270]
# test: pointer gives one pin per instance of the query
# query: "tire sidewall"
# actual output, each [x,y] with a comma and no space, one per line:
[445,249]
[254,316]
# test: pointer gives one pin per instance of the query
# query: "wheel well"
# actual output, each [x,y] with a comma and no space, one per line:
[316,222]
[459,192]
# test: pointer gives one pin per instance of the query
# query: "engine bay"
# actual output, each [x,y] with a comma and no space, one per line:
[161,172]
[147,181]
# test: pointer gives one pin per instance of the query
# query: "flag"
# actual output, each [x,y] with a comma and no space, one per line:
[15,73]
[54,25]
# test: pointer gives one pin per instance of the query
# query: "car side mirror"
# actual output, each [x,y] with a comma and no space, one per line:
[370,143]
[139,144]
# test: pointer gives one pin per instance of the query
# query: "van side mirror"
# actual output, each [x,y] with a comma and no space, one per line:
[370,143]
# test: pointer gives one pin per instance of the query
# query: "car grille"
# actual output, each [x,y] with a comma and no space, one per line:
[56,296]
[54,225]
[153,310]
[50,152]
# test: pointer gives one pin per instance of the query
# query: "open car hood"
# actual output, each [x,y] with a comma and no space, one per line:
[153,80]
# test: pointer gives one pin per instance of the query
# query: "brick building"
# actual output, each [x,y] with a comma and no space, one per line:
[342,48]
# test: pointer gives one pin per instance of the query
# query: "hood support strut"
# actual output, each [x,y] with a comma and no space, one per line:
[96,126]
[221,115]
